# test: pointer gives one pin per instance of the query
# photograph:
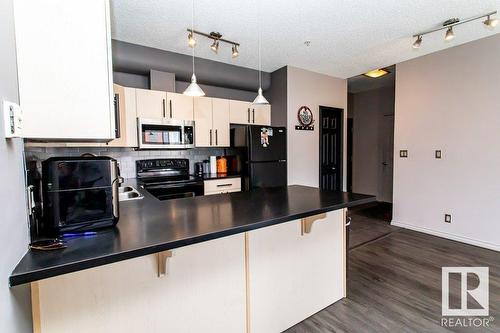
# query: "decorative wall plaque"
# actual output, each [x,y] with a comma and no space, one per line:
[305,118]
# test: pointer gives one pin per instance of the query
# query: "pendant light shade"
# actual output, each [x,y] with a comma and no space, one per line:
[193,89]
[260,99]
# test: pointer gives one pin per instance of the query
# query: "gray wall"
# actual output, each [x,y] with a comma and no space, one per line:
[132,64]
[369,110]
[15,311]
[277,95]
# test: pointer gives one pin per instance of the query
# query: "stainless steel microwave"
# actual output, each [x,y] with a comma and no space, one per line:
[165,133]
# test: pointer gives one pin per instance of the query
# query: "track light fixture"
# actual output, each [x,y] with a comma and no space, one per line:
[418,42]
[449,34]
[490,23]
[216,40]
[235,51]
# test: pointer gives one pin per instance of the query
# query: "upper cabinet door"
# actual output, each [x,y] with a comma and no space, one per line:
[64,69]
[126,117]
[151,104]
[203,136]
[261,115]
[180,106]
[220,116]
[239,112]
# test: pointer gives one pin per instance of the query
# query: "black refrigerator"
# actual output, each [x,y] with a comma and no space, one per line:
[262,153]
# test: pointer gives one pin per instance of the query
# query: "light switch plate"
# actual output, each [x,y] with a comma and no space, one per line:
[12,119]
[447,218]
[403,153]
[438,154]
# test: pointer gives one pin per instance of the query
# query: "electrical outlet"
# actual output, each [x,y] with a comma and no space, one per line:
[438,154]
[447,218]
[403,153]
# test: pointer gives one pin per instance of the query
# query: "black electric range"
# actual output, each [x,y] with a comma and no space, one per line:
[168,178]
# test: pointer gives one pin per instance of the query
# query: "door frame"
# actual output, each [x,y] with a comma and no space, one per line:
[342,127]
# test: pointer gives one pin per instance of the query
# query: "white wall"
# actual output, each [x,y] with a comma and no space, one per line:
[369,110]
[15,312]
[450,100]
[311,89]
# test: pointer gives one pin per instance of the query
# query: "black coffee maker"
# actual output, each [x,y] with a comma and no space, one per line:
[198,168]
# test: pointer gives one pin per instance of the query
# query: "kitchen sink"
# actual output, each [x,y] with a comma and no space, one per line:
[127,193]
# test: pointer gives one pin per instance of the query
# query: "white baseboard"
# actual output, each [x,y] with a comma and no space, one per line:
[458,238]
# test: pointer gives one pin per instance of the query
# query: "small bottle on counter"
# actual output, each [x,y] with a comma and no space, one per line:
[221,165]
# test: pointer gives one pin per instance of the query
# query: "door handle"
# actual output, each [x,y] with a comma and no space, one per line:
[248,111]
[216,139]
[117,116]
[171,106]
[164,108]
[348,221]
[210,137]
[253,115]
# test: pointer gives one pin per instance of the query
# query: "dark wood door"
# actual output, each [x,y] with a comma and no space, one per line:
[330,148]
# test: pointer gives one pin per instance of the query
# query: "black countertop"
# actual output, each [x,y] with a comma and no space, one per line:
[148,226]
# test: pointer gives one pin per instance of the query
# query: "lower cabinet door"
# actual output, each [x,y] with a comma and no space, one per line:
[292,276]
[203,291]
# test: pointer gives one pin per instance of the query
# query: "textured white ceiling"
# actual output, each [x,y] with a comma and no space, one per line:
[347,37]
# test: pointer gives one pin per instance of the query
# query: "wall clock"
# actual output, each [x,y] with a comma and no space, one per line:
[305,118]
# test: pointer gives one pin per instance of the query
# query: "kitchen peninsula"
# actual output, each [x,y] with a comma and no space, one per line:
[256,261]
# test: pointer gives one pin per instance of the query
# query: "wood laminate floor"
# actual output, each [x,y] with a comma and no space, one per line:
[394,285]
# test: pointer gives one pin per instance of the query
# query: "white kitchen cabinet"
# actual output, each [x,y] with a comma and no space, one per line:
[211,116]
[154,104]
[64,69]
[248,114]
[239,112]
[203,291]
[292,276]
[203,132]
[222,185]
[261,115]
[151,104]
[220,122]
[126,117]
[179,106]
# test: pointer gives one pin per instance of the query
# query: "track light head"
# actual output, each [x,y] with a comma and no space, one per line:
[191,40]
[235,51]
[215,46]
[449,34]
[491,23]
[418,42]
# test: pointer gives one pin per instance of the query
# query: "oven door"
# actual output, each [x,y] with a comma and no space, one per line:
[176,191]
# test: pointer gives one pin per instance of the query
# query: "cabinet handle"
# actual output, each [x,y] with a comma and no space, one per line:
[210,137]
[253,115]
[224,185]
[248,114]
[117,116]
[170,104]
[216,139]
[163,108]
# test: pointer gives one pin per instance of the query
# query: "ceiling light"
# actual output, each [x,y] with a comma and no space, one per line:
[193,89]
[418,42]
[491,23]
[260,99]
[215,46]
[449,34]
[191,40]
[235,51]
[377,73]
[448,25]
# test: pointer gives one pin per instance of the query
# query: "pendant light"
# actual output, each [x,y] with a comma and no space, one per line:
[193,89]
[260,99]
